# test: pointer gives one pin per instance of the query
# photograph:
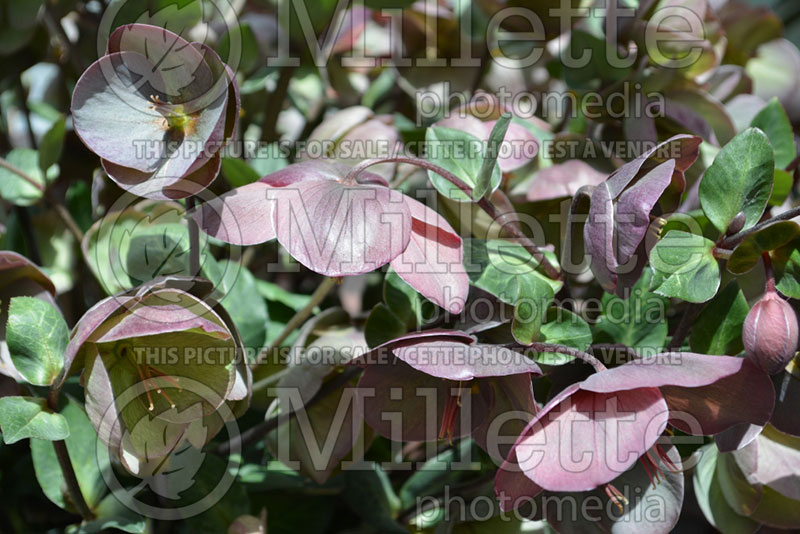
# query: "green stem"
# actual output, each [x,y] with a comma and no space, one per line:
[60,210]
[299,318]
[270,380]
[22,174]
[194,240]
[70,479]
[685,324]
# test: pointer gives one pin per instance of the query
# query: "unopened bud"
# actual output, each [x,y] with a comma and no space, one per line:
[737,223]
[770,333]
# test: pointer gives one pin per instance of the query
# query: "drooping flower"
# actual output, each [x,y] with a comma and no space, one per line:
[593,431]
[770,333]
[621,209]
[19,277]
[340,228]
[157,110]
[443,385]
[158,365]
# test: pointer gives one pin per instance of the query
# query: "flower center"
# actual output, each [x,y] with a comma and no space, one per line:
[150,376]
[650,464]
[175,116]
[617,497]
[452,408]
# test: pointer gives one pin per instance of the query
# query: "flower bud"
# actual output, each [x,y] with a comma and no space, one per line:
[737,223]
[770,333]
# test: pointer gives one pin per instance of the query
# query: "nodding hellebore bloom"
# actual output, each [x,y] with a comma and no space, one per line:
[338,225]
[157,110]
[443,385]
[770,332]
[623,207]
[593,431]
[150,389]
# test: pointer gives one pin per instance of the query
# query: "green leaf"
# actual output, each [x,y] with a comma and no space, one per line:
[243,302]
[435,474]
[52,144]
[638,321]
[786,264]
[774,122]
[369,493]
[383,325]
[37,338]
[268,159]
[87,463]
[234,503]
[684,266]
[748,253]
[379,88]
[564,328]
[483,183]
[244,37]
[404,301]
[17,23]
[740,179]
[781,187]
[718,329]
[29,417]
[111,515]
[460,153]
[16,189]
[130,247]
[509,272]
[238,172]
[711,499]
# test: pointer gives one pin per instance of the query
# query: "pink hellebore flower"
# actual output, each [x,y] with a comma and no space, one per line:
[157,110]
[338,226]
[443,385]
[593,431]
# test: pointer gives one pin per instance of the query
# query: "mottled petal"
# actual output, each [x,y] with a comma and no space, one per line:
[114,116]
[598,237]
[240,217]
[432,263]
[183,74]
[457,361]
[340,230]
[634,206]
[704,392]
[589,439]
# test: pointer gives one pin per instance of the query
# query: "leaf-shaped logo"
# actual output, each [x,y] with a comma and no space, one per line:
[159,450]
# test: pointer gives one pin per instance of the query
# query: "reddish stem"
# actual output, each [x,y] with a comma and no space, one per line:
[770,286]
